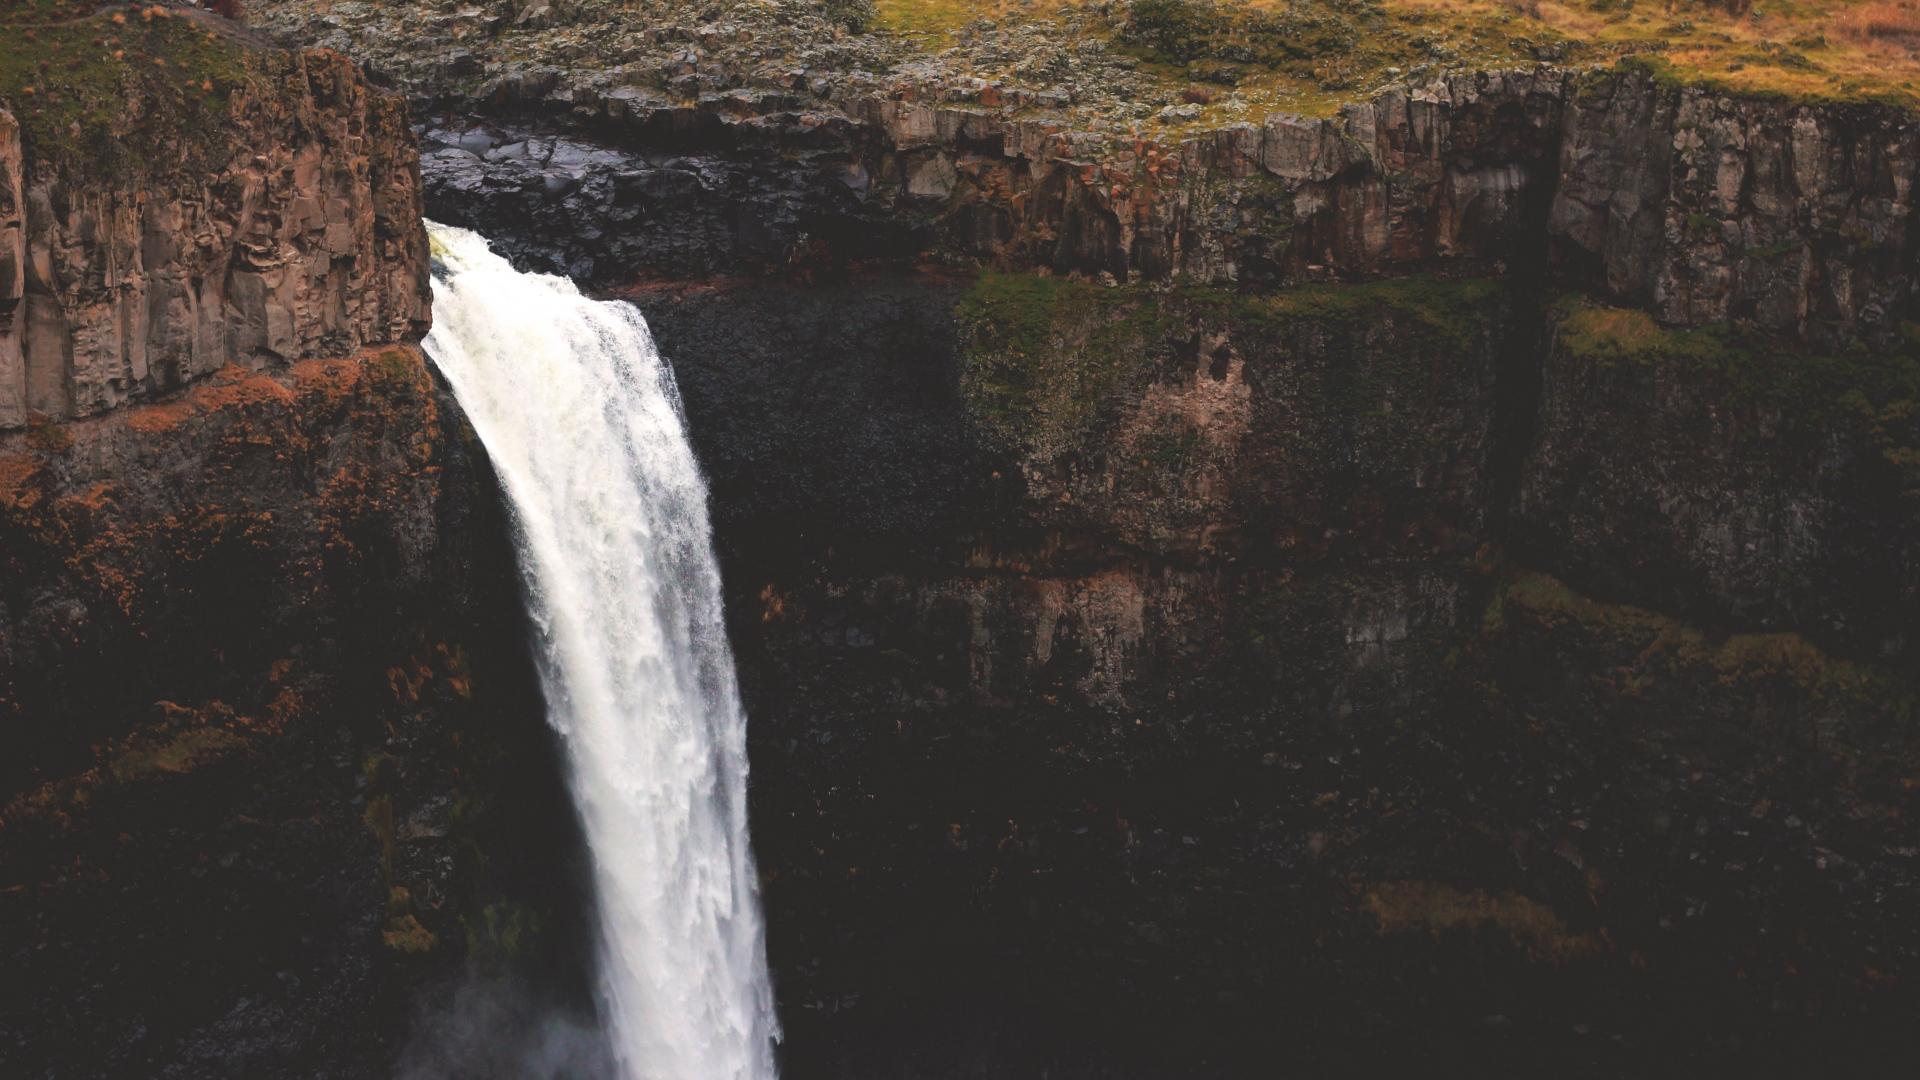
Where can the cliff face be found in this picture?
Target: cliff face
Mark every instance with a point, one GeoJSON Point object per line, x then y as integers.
{"type": "Point", "coordinates": [1155, 680]}
{"type": "Point", "coordinates": [1463, 663]}
{"type": "Point", "coordinates": [274, 779]}
{"type": "Point", "coordinates": [1791, 217]}
{"type": "Point", "coordinates": [297, 237]}
{"type": "Point", "coordinates": [1730, 476]}
{"type": "Point", "coordinates": [275, 763]}
{"type": "Point", "coordinates": [13, 272]}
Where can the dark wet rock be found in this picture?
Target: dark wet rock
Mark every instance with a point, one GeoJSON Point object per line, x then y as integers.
{"type": "Point", "coordinates": [276, 774]}
{"type": "Point", "coordinates": [611, 216]}
{"type": "Point", "coordinates": [1215, 711]}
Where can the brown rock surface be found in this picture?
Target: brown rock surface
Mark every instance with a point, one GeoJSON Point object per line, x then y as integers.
{"type": "Point", "coordinates": [302, 241]}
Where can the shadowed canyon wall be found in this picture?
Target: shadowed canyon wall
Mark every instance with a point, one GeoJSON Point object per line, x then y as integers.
{"type": "Point", "coordinates": [1192, 678]}
{"type": "Point", "coordinates": [1434, 584]}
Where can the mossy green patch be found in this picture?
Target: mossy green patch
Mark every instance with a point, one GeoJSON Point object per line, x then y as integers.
{"type": "Point", "coordinates": [1045, 356]}
{"type": "Point", "coordinates": [1329, 45]}
{"type": "Point", "coordinates": [1874, 392]}
{"type": "Point", "coordinates": [1047, 359]}
{"type": "Point", "coordinates": [1657, 646]}
{"type": "Point", "coordinates": [1455, 309]}
{"type": "Point", "coordinates": [378, 818]}
{"type": "Point", "coordinates": [118, 89]}
{"type": "Point", "coordinates": [503, 932]}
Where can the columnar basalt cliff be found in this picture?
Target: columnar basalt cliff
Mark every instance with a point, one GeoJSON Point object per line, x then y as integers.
{"type": "Point", "coordinates": [13, 272]}
{"type": "Point", "coordinates": [291, 235]}
{"type": "Point", "coordinates": [272, 743]}
{"type": "Point", "coordinates": [1792, 217]}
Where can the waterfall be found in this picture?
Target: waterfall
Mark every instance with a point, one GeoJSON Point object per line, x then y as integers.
{"type": "Point", "coordinates": [581, 419]}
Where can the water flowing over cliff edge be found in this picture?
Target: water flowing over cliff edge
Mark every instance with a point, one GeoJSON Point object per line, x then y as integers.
{"type": "Point", "coordinates": [581, 418]}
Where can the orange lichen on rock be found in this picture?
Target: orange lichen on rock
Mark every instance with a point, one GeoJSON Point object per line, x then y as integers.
{"type": "Point", "coordinates": [234, 385]}
{"type": "Point", "coordinates": [230, 387]}
{"type": "Point", "coordinates": [206, 473]}
{"type": "Point", "coordinates": [331, 379]}
{"type": "Point", "coordinates": [453, 663]}
{"type": "Point", "coordinates": [18, 490]}
{"type": "Point", "coordinates": [98, 496]}
{"type": "Point", "coordinates": [405, 934]}
{"type": "Point", "coordinates": [406, 680]}
{"type": "Point", "coordinates": [160, 417]}
{"type": "Point", "coordinates": [285, 706]}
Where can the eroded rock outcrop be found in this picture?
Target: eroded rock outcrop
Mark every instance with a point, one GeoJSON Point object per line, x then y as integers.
{"type": "Point", "coordinates": [1792, 217]}
{"type": "Point", "coordinates": [297, 238]}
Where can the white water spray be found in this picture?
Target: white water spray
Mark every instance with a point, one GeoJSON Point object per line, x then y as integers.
{"type": "Point", "coordinates": [582, 421]}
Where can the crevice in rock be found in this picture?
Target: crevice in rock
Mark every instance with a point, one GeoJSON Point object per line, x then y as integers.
{"type": "Point", "coordinates": [1524, 346]}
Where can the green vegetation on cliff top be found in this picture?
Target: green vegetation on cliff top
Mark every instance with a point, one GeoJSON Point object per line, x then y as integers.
{"type": "Point", "coordinates": [123, 87]}
{"type": "Point", "coordinates": [1455, 308]}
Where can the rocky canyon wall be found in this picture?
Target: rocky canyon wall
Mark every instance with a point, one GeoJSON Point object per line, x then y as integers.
{"type": "Point", "coordinates": [274, 780]}
{"type": "Point", "coordinates": [291, 234]}
{"type": "Point", "coordinates": [1236, 675]}
{"type": "Point", "coordinates": [1794, 217]}
{"type": "Point", "coordinates": [1431, 583]}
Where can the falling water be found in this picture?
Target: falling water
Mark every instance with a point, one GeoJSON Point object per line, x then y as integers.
{"type": "Point", "coordinates": [582, 421]}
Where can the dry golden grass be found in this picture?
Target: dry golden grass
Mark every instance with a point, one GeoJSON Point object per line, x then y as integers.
{"type": "Point", "coordinates": [1883, 26]}
{"type": "Point", "coordinates": [941, 18]}
{"type": "Point", "coordinates": [1819, 49]}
